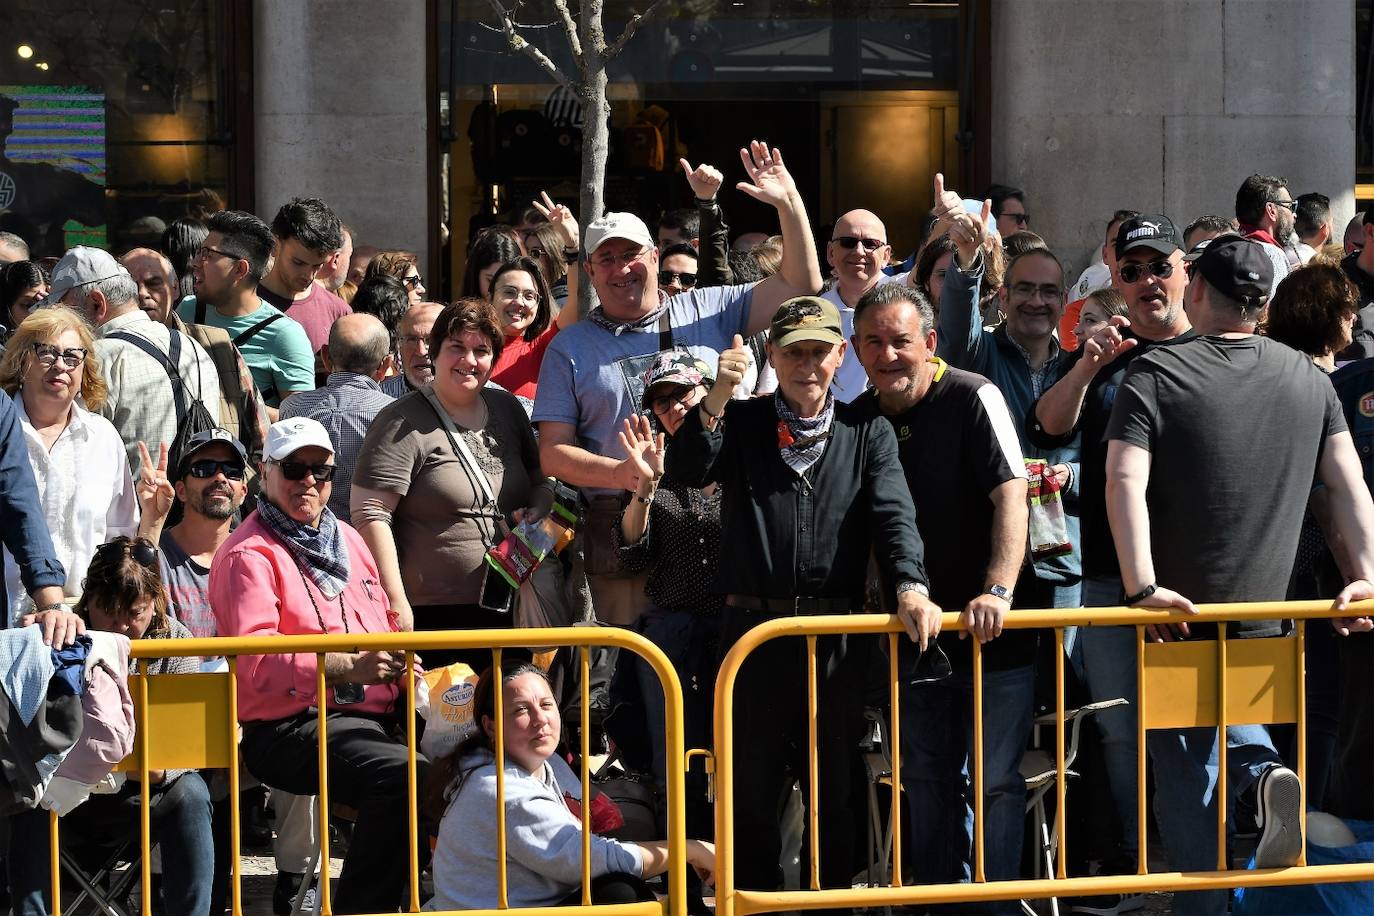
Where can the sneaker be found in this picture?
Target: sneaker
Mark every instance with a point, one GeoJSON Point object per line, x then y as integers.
{"type": "Point", "coordinates": [308, 904]}
{"type": "Point", "coordinates": [284, 893]}
{"type": "Point", "coordinates": [1108, 904]}
{"type": "Point", "coordinates": [1278, 802]}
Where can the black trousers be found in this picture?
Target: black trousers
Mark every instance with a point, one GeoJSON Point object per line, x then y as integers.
{"type": "Point", "coordinates": [614, 888]}
{"type": "Point", "coordinates": [367, 771]}
{"type": "Point", "coordinates": [771, 751]}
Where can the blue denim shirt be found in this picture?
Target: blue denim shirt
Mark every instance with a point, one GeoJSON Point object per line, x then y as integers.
{"type": "Point", "coordinates": [22, 528]}
{"type": "Point", "coordinates": [964, 343]}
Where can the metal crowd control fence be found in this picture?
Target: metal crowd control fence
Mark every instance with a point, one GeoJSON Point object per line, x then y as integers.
{"type": "Point", "coordinates": [1180, 684]}
{"type": "Point", "coordinates": [190, 721]}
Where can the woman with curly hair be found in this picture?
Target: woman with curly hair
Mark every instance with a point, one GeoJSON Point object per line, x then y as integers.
{"type": "Point", "coordinates": [1313, 311]}
{"type": "Point", "coordinates": [404, 266]}
{"type": "Point", "coordinates": [77, 456]}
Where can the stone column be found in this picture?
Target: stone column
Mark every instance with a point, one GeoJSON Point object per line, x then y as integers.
{"type": "Point", "coordinates": [339, 114]}
{"type": "Point", "coordinates": [1166, 106]}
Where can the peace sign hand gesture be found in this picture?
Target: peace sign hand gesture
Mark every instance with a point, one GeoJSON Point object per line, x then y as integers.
{"type": "Point", "coordinates": [771, 182]}
{"type": "Point", "coordinates": [561, 218]}
{"type": "Point", "coordinates": [155, 493]}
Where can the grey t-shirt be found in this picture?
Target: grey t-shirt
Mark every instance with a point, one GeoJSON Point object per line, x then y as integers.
{"type": "Point", "coordinates": [594, 378]}
{"type": "Point", "coordinates": [1235, 428]}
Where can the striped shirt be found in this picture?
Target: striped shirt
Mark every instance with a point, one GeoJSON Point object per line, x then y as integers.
{"type": "Point", "coordinates": [345, 406]}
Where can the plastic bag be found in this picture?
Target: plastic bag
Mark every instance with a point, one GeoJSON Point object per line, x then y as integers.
{"type": "Point", "coordinates": [449, 712]}
{"type": "Point", "coordinates": [1049, 529]}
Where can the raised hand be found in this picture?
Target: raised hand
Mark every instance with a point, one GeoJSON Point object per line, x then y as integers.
{"type": "Point", "coordinates": [643, 448]}
{"type": "Point", "coordinates": [705, 179]}
{"type": "Point", "coordinates": [155, 493]}
{"type": "Point", "coordinates": [1105, 345]}
{"type": "Point", "coordinates": [966, 231]}
{"type": "Point", "coordinates": [769, 180]}
{"type": "Point", "coordinates": [561, 218]}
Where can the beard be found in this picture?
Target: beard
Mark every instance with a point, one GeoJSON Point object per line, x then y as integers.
{"type": "Point", "coordinates": [216, 504]}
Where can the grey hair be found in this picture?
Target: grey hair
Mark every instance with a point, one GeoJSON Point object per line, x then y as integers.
{"type": "Point", "coordinates": [10, 240]}
{"type": "Point", "coordinates": [117, 290]}
{"type": "Point", "coordinates": [891, 294]}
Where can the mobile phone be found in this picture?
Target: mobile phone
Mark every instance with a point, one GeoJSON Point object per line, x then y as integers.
{"type": "Point", "coordinates": [497, 594]}
{"type": "Point", "coordinates": [347, 694]}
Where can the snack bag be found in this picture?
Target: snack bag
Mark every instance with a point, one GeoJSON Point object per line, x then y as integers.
{"type": "Point", "coordinates": [449, 719]}
{"type": "Point", "coordinates": [1049, 529]}
{"type": "Point", "coordinates": [517, 556]}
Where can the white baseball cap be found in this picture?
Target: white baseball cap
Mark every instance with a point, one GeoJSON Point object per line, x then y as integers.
{"type": "Point", "coordinates": [81, 266]}
{"type": "Point", "coordinates": [287, 436]}
{"type": "Point", "coordinates": [617, 226]}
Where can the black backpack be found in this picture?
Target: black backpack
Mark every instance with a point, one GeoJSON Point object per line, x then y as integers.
{"type": "Point", "coordinates": [192, 415]}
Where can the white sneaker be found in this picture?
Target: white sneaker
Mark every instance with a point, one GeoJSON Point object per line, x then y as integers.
{"type": "Point", "coordinates": [1278, 800]}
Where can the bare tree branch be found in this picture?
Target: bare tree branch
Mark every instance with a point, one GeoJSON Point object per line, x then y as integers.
{"type": "Point", "coordinates": [619, 44]}
{"type": "Point", "coordinates": [520, 45]}
{"type": "Point", "coordinates": [569, 26]}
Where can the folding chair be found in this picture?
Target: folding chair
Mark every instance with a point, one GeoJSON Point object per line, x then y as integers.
{"type": "Point", "coordinates": [187, 726]}
{"type": "Point", "coordinates": [1038, 769]}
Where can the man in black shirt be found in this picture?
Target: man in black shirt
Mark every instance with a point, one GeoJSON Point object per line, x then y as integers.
{"type": "Point", "coordinates": [1359, 267]}
{"type": "Point", "coordinates": [1150, 274]}
{"type": "Point", "coordinates": [810, 488]}
{"type": "Point", "coordinates": [962, 458]}
{"type": "Point", "coordinates": [1225, 527]}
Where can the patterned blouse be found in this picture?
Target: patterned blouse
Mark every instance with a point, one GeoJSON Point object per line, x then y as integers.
{"type": "Point", "coordinates": [684, 531]}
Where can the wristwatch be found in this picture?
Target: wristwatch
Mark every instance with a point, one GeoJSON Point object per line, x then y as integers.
{"type": "Point", "coordinates": [999, 591]}
{"type": "Point", "coordinates": [911, 585]}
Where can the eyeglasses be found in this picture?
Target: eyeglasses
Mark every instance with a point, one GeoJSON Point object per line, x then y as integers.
{"type": "Point", "coordinates": [413, 281]}
{"type": "Point", "coordinates": [296, 470]}
{"type": "Point", "coordinates": [681, 278]}
{"type": "Point", "coordinates": [1022, 219]}
{"type": "Point", "coordinates": [662, 405]}
{"type": "Point", "coordinates": [48, 355]}
{"type": "Point", "coordinates": [853, 241]}
{"type": "Point", "coordinates": [209, 468]}
{"type": "Point", "coordinates": [1290, 205]}
{"type": "Point", "coordinates": [623, 259]}
{"type": "Point", "coordinates": [204, 251]}
{"type": "Point", "coordinates": [414, 340]}
{"type": "Point", "coordinates": [515, 292]}
{"type": "Point", "coordinates": [142, 550]}
{"type": "Point", "coordinates": [1133, 273]}
{"type": "Point", "coordinates": [1028, 291]}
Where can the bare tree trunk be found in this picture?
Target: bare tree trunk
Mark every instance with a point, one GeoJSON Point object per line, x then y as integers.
{"type": "Point", "coordinates": [595, 128]}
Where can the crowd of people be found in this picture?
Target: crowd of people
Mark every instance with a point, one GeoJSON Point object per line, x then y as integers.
{"type": "Point", "coordinates": [266, 429]}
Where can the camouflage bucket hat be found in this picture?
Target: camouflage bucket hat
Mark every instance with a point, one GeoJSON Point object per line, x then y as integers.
{"type": "Point", "coordinates": [675, 367]}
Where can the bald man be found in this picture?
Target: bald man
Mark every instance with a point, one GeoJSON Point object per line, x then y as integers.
{"type": "Point", "coordinates": [857, 253]}
{"type": "Point", "coordinates": [12, 248]}
{"type": "Point", "coordinates": [412, 346]}
{"type": "Point", "coordinates": [359, 357]}
{"type": "Point", "coordinates": [157, 281]}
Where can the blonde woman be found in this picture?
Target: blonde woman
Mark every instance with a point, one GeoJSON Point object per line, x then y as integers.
{"type": "Point", "coordinates": [78, 458]}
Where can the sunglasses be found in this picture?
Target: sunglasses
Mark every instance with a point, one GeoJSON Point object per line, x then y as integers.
{"type": "Point", "coordinates": [413, 281]}
{"type": "Point", "coordinates": [296, 470]}
{"type": "Point", "coordinates": [929, 667]}
{"type": "Point", "coordinates": [681, 278]}
{"type": "Point", "coordinates": [664, 403]}
{"type": "Point", "coordinates": [1290, 205]}
{"type": "Point", "coordinates": [1021, 219]}
{"type": "Point", "coordinates": [48, 356]}
{"type": "Point", "coordinates": [141, 549]}
{"type": "Point", "coordinates": [1133, 273]}
{"type": "Point", "coordinates": [853, 241]}
{"type": "Point", "coordinates": [209, 468]}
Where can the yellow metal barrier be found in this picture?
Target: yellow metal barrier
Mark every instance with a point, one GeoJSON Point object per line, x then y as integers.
{"type": "Point", "coordinates": [1205, 683]}
{"type": "Point", "coordinates": [190, 721]}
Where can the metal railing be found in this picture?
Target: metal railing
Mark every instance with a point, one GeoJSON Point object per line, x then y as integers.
{"type": "Point", "coordinates": [1179, 684]}
{"type": "Point", "coordinates": [207, 736]}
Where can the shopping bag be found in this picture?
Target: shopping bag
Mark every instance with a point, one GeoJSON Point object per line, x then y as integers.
{"type": "Point", "coordinates": [1049, 528]}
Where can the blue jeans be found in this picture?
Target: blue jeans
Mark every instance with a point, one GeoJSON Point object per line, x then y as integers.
{"type": "Point", "coordinates": [1185, 761]}
{"type": "Point", "coordinates": [937, 755]}
{"type": "Point", "coordinates": [1106, 656]}
{"type": "Point", "coordinates": [180, 820]}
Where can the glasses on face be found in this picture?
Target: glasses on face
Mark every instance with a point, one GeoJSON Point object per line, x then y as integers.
{"type": "Point", "coordinates": [142, 550]}
{"type": "Point", "coordinates": [204, 251]}
{"type": "Point", "coordinates": [624, 259]}
{"type": "Point", "coordinates": [1027, 291]}
{"type": "Point", "coordinates": [210, 467]}
{"type": "Point", "coordinates": [511, 293]}
{"type": "Point", "coordinates": [684, 279]}
{"type": "Point", "coordinates": [664, 404]}
{"type": "Point", "coordinates": [1021, 219]}
{"type": "Point", "coordinates": [1133, 273]}
{"type": "Point", "coordinates": [414, 281]}
{"type": "Point", "coordinates": [296, 470]}
{"type": "Point", "coordinates": [48, 356]}
{"type": "Point", "coordinates": [1290, 205]}
{"type": "Point", "coordinates": [854, 241]}
{"type": "Point", "coordinates": [414, 340]}
{"type": "Point", "coordinates": [536, 252]}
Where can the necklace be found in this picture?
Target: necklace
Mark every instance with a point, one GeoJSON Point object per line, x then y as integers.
{"type": "Point", "coordinates": [343, 612]}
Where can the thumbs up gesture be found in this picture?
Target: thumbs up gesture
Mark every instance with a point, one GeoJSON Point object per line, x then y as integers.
{"type": "Point", "coordinates": [966, 231]}
{"type": "Point", "coordinates": [734, 363]}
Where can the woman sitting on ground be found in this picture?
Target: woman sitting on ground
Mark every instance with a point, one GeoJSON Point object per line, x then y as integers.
{"type": "Point", "coordinates": [543, 821]}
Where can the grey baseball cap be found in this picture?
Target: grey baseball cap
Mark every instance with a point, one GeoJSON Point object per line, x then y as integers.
{"type": "Point", "coordinates": [81, 266]}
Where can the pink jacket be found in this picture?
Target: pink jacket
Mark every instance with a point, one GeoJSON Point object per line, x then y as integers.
{"type": "Point", "coordinates": [256, 589]}
{"type": "Point", "coordinates": [107, 728]}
